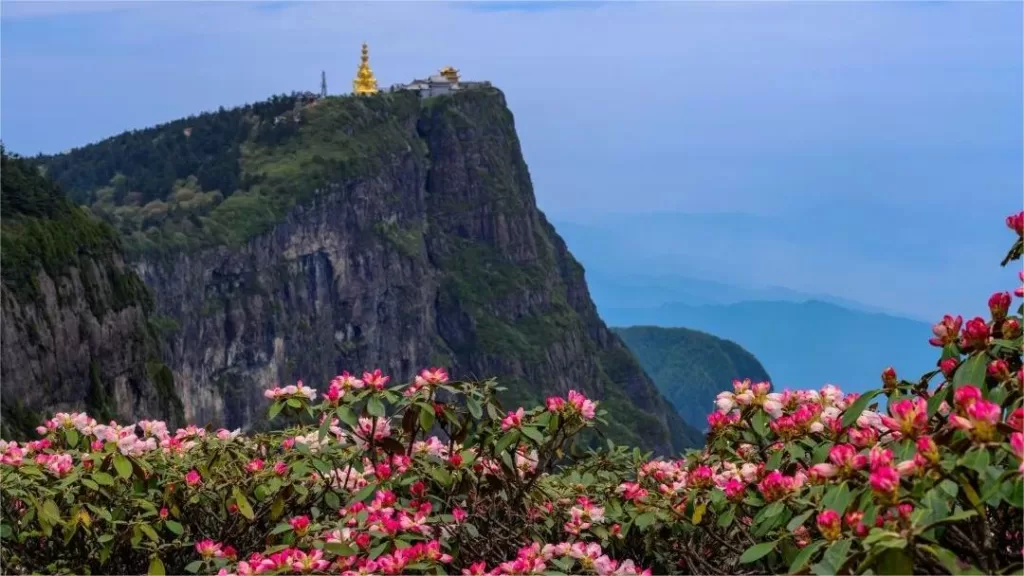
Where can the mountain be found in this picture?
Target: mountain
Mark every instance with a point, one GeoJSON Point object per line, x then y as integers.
{"type": "Point", "coordinates": [76, 321]}
{"type": "Point", "coordinates": [806, 344]}
{"type": "Point", "coordinates": [299, 237]}
{"type": "Point", "coordinates": [666, 265]}
{"type": "Point", "coordinates": [691, 367]}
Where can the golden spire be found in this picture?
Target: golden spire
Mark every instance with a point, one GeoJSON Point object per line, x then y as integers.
{"type": "Point", "coordinates": [364, 82]}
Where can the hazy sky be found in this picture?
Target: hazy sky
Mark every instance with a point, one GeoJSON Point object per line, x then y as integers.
{"type": "Point", "coordinates": [874, 147]}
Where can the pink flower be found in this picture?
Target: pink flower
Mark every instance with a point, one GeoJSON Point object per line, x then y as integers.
{"type": "Point", "coordinates": [1016, 420]}
{"type": "Point", "coordinates": [830, 525]}
{"type": "Point", "coordinates": [981, 420]}
{"type": "Point", "coordinates": [382, 471]}
{"type": "Point", "coordinates": [554, 404]}
{"type": "Point", "coordinates": [998, 305]}
{"type": "Point", "coordinates": [164, 513]}
{"type": "Point", "coordinates": [999, 370]}
{"type": "Point", "coordinates": [475, 569]}
{"type": "Point", "coordinates": [846, 458]}
{"type": "Point", "coordinates": [300, 524]}
{"type": "Point", "coordinates": [735, 490]}
{"type": "Point", "coordinates": [820, 472]}
{"type": "Point", "coordinates": [309, 562]}
{"type": "Point", "coordinates": [885, 481]}
{"type": "Point", "coordinates": [632, 491]}
{"type": "Point", "coordinates": [880, 457]}
{"type": "Point", "coordinates": [775, 486]}
{"type": "Point", "coordinates": [280, 468]}
{"type": "Point", "coordinates": [459, 514]}
{"type": "Point", "coordinates": [965, 396]}
{"type": "Point", "coordinates": [948, 367]}
{"type": "Point", "coordinates": [1017, 444]}
{"type": "Point", "coordinates": [1015, 222]}
{"type": "Point", "coordinates": [586, 408]}
{"type": "Point", "coordinates": [910, 417]}
{"type": "Point", "coordinates": [1019, 291]}
{"type": "Point", "coordinates": [975, 334]}
{"type": "Point", "coordinates": [208, 549]}
{"type": "Point", "coordinates": [513, 420]}
{"type": "Point", "coordinates": [254, 465]}
{"type": "Point", "coordinates": [946, 330]}
{"type": "Point", "coordinates": [853, 521]}
{"type": "Point", "coordinates": [863, 437]}
{"type": "Point", "coordinates": [927, 451]}
{"type": "Point", "coordinates": [376, 379]}
{"type": "Point", "coordinates": [193, 478]}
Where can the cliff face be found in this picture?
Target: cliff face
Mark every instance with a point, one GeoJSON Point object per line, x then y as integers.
{"type": "Point", "coordinates": [412, 239]}
{"type": "Point", "coordinates": [74, 326]}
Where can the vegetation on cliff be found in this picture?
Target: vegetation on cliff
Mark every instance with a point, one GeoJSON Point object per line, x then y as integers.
{"type": "Point", "coordinates": [431, 476]}
{"type": "Point", "coordinates": [44, 235]}
{"type": "Point", "coordinates": [689, 366]}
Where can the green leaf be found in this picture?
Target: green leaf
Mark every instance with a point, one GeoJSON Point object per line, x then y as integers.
{"type": "Point", "coordinates": [474, 408]}
{"type": "Point", "coordinates": [174, 527]}
{"type": "Point", "coordinates": [294, 403]}
{"type": "Point", "coordinates": [148, 531]}
{"type": "Point", "coordinates": [156, 567]}
{"type": "Point", "coordinates": [72, 437]}
{"type": "Point", "coordinates": [799, 520]}
{"type": "Point", "coordinates": [123, 466]}
{"type": "Point", "coordinates": [363, 494]}
{"type": "Point", "coordinates": [244, 508]}
{"type": "Point", "coordinates": [375, 407]}
{"type": "Point", "coordinates": [804, 556]}
{"type": "Point", "coordinates": [89, 484]}
{"type": "Point", "coordinates": [948, 559]}
{"type": "Point", "coordinates": [644, 520]}
{"type": "Point", "coordinates": [345, 414]}
{"type": "Point", "coordinates": [194, 567]}
{"type": "Point", "coordinates": [533, 434]}
{"type": "Point", "coordinates": [837, 554]}
{"type": "Point", "coordinates": [774, 509]}
{"type": "Point", "coordinates": [894, 561]}
{"type": "Point", "coordinates": [854, 410]}
{"type": "Point", "coordinates": [332, 500]}
{"type": "Point", "coordinates": [727, 517]}
{"type": "Point", "coordinates": [937, 399]}
{"type": "Point", "coordinates": [339, 549]}
{"type": "Point", "coordinates": [506, 441]}
{"type": "Point", "coordinates": [759, 422]}
{"type": "Point", "coordinates": [972, 371]}
{"type": "Point", "coordinates": [281, 528]}
{"type": "Point", "coordinates": [50, 512]}
{"type": "Point", "coordinates": [426, 419]}
{"type": "Point", "coordinates": [775, 461]}
{"type": "Point", "coordinates": [442, 476]}
{"type": "Point", "coordinates": [275, 409]}
{"type": "Point", "coordinates": [756, 552]}
{"type": "Point", "coordinates": [955, 517]}
{"type": "Point", "coordinates": [976, 459]}
{"type": "Point", "coordinates": [325, 427]}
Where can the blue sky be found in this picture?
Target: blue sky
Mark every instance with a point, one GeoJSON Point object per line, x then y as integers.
{"type": "Point", "coordinates": [871, 150]}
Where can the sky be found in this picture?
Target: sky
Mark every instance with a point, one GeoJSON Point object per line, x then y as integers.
{"type": "Point", "coordinates": [866, 150]}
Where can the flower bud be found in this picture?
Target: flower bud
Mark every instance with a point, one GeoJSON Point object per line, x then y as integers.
{"type": "Point", "coordinates": [829, 525]}
{"type": "Point", "coordinates": [889, 380]}
{"type": "Point", "coordinates": [998, 305]}
{"type": "Point", "coordinates": [948, 367]}
{"type": "Point", "coordinates": [999, 370]}
{"type": "Point", "coordinates": [1015, 222]}
{"type": "Point", "coordinates": [1011, 328]}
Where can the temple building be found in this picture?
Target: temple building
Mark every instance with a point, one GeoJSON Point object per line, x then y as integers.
{"type": "Point", "coordinates": [365, 82]}
{"type": "Point", "coordinates": [445, 81]}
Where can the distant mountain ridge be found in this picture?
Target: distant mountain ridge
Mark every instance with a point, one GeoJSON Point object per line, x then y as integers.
{"type": "Point", "coordinates": [691, 367]}
{"type": "Point", "coordinates": [805, 344]}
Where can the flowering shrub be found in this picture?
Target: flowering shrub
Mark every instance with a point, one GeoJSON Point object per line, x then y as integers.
{"type": "Point", "coordinates": [434, 476]}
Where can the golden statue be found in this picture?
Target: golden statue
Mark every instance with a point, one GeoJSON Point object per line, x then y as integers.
{"type": "Point", "coordinates": [451, 74]}
{"type": "Point", "coordinates": [365, 82]}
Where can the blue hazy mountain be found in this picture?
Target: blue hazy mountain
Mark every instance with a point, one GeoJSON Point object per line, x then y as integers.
{"type": "Point", "coordinates": [802, 344]}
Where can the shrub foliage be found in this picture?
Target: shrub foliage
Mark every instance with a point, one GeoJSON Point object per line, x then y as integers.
{"type": "Point", "coordinates": [434, 476]}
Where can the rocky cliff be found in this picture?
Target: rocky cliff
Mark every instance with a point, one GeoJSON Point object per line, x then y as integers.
{"type": "Point", "coordinates": [387, 232]}
{"type": "Point", "coordinates": [75, 327]}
